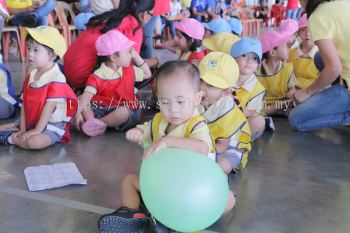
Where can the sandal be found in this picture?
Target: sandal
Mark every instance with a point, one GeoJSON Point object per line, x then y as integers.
{"type": "Point", "coordinates": [94, 127]}
{"type": "Point", "coordinates": [124, 220]}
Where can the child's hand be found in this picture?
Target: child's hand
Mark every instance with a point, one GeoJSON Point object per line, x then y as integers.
{"type": "Point", "coordinates": [135, 135]}
{"type": "Point", "coordinates": [134, 54]}
{"type": "Point", "coordinates": [28, 134]}
{"type": "Point", "coordinates": [155, 147]}
{"type": "Point", "coordinates": [78, 120]}
{"type": "Point", "coordinates": [290, 94]}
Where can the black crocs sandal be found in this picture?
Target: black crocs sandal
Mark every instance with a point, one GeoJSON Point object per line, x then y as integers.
{"type": "Point", "coordinates": [160, 228]}
{"type": "Point", "coordinates": [124, 220]}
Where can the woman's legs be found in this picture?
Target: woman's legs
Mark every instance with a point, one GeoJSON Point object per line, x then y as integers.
{"type": "Point", "coordinates": [148, 30]}
{"type": "Point", "coordinates": [330, 107]}
{"type": "Point", "coordinates": [130, 192]}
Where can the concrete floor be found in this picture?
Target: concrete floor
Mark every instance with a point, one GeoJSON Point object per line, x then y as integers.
{"type": "Point", "coordinates": [293, 183]}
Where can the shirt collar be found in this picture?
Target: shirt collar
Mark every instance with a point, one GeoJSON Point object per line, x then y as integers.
{"type": "Point", "coordinates": [45, 78]}
{"type": "Point", "coordinates": [249, 84]}
{"type": "Point", "coordinates": [105, 72]}
{"type": "Point", "coordinates": [266, 68]}
{"type": "Point", "coordinates": [310, 54]}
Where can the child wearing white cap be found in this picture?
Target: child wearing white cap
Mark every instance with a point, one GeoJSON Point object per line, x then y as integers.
{"type": "Point", "coordinates": [109, 97]}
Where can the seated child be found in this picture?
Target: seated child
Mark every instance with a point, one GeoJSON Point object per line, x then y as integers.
{"type": "Point", "coordinates": [236, 26]}
{"type": "Point", "coordinates": [275, 74]}
{"type": "Point", "coordinates": [178, 125]}
{"type": "Point", "coordinates": [47, 99]}
{"type": "Point", "coordinates": [248, 54]}
{"type": "Point", "coordinates": [216, 26]}
{"type": "Point", "coordinates": [290, 28]}
{"type": "Point", "coordinates": [8, 99]}
{"type": "Point", "coordinates": [188, 42]}
{"type": "Point", "coordinates": [109, 97]}
{"type": "Point", "coordinates": [302, 57]}
{"type": "Point", "coordinates": [221, 42]}
{"type": "Point", "coordinates": [227, 123]}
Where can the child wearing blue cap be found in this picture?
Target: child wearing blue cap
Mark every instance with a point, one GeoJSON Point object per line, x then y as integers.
{"type": "Point", "coordinates": [216, 26]}
{"type": "Point", "coordinates": [248, 53]}
{"type": "Point", "coordinates": [236, 26]}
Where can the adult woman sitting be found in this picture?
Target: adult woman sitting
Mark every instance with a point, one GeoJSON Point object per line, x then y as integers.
{"type": "Point", "coordinates": [323, 106]}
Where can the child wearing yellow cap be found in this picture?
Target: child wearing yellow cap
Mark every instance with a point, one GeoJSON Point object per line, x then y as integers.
{"type": "Point", "coordinates": [188, 41]}
{"type": "Point", "coordinates": [275, 74]}
{"type": "Point", "coordinates": [227, 123]}
{"type": "Point", "coordinates": [302, 57]}
{"type": "Point", "coordinates": [178, 125]}
{"type": "Point", "coordinates": [221, 42]}
{"type": "Point", "coordinates": [47, 105]}
{"type": "Point", "coordinates": [248, 53]}
{"type": "Point", "coordinates": [109, 98]}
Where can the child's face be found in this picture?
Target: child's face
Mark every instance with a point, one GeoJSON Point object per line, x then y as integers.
{"type": "Point", "coordinates": [305, 35]}
{"type": "Point", "coordinates": [38, 55]}
{"type": "Point", "coordinates": [181, 41]}
{"type": "Point", "coordinates": [211, 94]}
{"type": "Point", "coordinates": [248, 63]}
{"type": "Point", "coordinates": [123, 58]}
{"type": "Point", "coordinates": [282, 52]}
{"type": "Point", "coordinates": [177, 98]}
{"type": "Point", "coordinates": [208, 34]}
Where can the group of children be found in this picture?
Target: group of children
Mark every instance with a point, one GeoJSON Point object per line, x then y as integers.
{"type": "Point", "coordinates": [214, 101]}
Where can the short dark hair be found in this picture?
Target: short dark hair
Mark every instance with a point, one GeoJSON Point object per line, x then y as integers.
{"type": "Point", "coordinates": [195, 44]}
{"type": "Point", "coordinates": [187, 68]}
{"type": "Point", "coordinates": [312, 5]}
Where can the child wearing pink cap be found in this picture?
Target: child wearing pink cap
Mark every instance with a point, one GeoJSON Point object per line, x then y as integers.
{"type": "Point", "coordinates": [290, 27]}
{"type": "Point", "coordinates": [275, 74]}
{"type": "Point", "coordinates": [109, 98]}
{"type": "Point", "coordinates": [303, 57]}
{"type": "Point", "coordinates": [188, 41]}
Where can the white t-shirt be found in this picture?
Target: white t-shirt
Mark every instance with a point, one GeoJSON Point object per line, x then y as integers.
{"type": "Point", "coordinates": [175, 8]}
{"type": "Point", "coordinates": [101, 6]}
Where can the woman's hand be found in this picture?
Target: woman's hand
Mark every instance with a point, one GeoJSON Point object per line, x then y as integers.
{"type": "Point", "coordinates": [301, 95]}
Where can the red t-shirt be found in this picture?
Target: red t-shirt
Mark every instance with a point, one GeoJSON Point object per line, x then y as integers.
{"type": "Point", "coordinates": [292, 4]}
{"type": "Point", "coordinates": [80, 58]}
{"type": "Point", "coordinates": [161, 7]}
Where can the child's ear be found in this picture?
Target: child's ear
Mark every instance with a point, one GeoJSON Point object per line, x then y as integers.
{"type": "Point", "coordinates": [198, 98]}
{"type": "Point", "coordinates": [273, 53]}
{"type": "Point", "coordinates": [53, 56]}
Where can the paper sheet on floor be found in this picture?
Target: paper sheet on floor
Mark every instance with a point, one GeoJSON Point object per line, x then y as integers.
{"type": "Point", "coordinates": [53, 176]}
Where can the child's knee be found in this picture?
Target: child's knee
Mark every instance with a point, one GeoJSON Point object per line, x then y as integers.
{"type": "Point", "coordinates": [231, 201]}
{"type": "Point", "coordinates": [225, 165]}
{"type": "Point", "coordinates": [131, 180]}
{"type": "Point", "coordinates": [37, 142]}
{"type": "Point", "coordinates": [257, 125]}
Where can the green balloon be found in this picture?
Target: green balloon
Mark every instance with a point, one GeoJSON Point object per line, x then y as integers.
{"type": "Point", "coordinates": [184, 190]}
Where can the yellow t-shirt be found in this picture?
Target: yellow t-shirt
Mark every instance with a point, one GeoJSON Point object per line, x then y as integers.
{"type": "Point", "coordinates": [329, 21]}
{"type": "Point", "coordinates": [106, 73]}
{"type": "Point", "coordinates": [52, 75]}
{"type": "Point", "coordinates": [200, 131]}
{"type": "Point", "coordinates": [18, 4]}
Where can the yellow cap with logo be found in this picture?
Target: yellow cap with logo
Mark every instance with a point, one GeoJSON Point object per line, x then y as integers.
{"type": "Point", "coordinates": [219, 69]}
{"type": "Point", "coordinates": [50, 37]}
{"type": "Point", "coordinates": [221, 42]}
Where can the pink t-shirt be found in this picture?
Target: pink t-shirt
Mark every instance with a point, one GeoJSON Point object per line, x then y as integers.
{"type": "Point", "coordinates": [161, 7]}
{"type": "Point", "coordinates": [80, 58]}
{"type": "Point", "coordinates": [292, 4]}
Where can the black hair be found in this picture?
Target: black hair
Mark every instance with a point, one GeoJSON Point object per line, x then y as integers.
{"type": "Point", "coordinates": [30, 39]}
{"type": "Point", "coordinates": [195, 44]}
{"type": "Point", "coordinates": [102, 59]}
{"type": "Point", "coordinates": [312, 5]}
{"type": "Point", "coordinates": [187, 68]}
{"type": "Point", "coordinates": [277, 2]}
{"type": "Point", "coordinates": [113, 18]}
